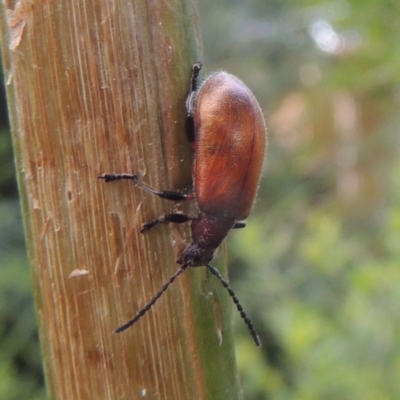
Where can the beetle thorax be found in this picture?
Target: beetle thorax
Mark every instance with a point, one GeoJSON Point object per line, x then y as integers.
{"type": "Point", "coordinates": [207, 234]}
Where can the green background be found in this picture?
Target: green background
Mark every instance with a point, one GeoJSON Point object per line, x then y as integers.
{"type": "Point", "coordinates": [318, 265]}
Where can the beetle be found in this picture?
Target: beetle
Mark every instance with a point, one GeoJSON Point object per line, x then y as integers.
{"type": "Point", "coordinates": [226, 128]}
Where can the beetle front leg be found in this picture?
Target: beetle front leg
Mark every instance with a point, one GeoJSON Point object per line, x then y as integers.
{"type": "Point", "coordinates": [166, 219]}
{"type": "Point", "coordinates": [164, 194]}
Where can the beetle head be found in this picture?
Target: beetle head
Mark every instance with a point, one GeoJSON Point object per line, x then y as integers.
{"type": "Point", "coordinates": [196, 256]}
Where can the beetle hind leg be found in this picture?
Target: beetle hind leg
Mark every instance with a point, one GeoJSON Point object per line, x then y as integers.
{"type": "Point", "coordinates": [195, 74]}
{"type": "Point", "coordinates": [166, 219]}
{"type": "Point", "coordinates": [190, 102]}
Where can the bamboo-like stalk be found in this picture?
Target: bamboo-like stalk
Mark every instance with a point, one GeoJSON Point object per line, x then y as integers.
{"type": "Point", "coordinates": [99, 86]}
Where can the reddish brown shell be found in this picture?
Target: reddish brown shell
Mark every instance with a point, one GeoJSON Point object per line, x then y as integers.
{"type": "Point", "coordinates": [230, 141]}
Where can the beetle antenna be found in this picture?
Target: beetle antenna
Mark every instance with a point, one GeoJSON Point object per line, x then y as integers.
{"type": "Point", "coordinates": [242, 313]}
{"type": "Point", "coordinates": [152, 301]}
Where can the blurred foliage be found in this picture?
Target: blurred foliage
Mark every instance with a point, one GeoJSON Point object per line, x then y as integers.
{"type": "Point", "coordinates": [21, 374]}
{"type": "Point", "coordinates": [318, 265]}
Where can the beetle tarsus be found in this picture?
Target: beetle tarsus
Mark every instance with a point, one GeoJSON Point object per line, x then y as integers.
{"type": "Point", "coordinates": [195, 74]}
{"type": "Point", "coordinates": [117, 177]}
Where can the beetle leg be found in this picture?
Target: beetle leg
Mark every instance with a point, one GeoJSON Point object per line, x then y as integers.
{"type": "Point", "coordinates": [190, 102]}
{"type": "Point", "coordinates": [239, 224]}
{"type": "Point", "coordinates": [117, 177]}
{"type": "Point", "coordinates": [166, 219]}
{"type": "Point", "coordinates": [164, 194]}
{"type": "Point", "coordinates": [189, 129]}
{"type": "Point", "coordinates": [195, 74]}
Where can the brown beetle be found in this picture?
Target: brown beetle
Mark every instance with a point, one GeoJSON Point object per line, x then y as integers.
{"type": "Point", "coordinates": [226, 127]}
